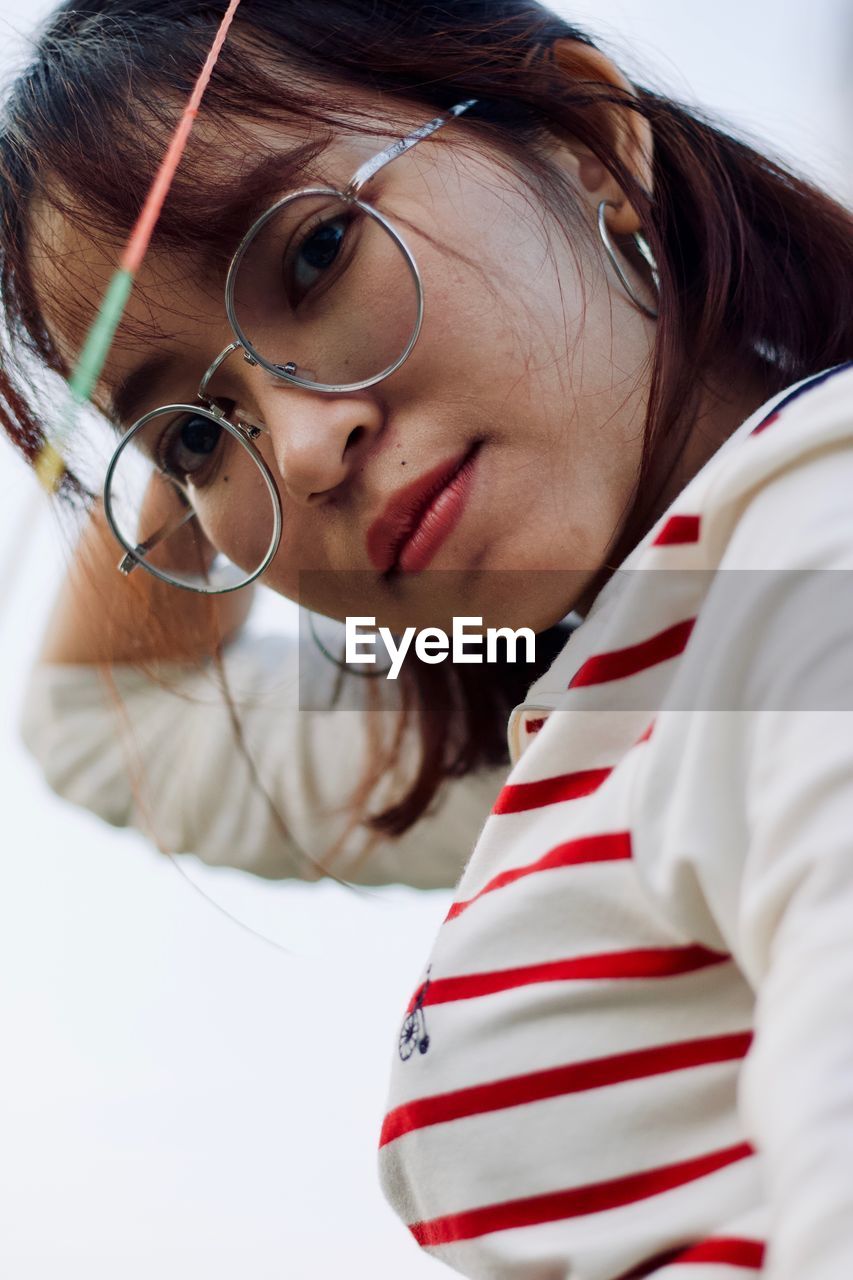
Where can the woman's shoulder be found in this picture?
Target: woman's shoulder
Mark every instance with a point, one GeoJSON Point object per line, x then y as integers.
{"type": "Point", "coordinates": [786, 468]}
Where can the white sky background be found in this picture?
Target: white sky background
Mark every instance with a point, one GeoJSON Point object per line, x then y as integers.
{"type": "Point", "coordinates": [176, 1098]}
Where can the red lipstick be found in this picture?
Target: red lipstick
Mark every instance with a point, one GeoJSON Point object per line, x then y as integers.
{"type": "Point", "coordinates": [418, 518]}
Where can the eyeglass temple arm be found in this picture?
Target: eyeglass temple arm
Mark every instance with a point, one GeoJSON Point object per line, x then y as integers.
{"type": "Point", "coordinates": [129, 562]}
{"type": "Point", "coordinates": [371, 167]}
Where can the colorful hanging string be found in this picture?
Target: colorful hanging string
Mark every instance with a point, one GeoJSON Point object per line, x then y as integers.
{"type": "Point", "coordinates": [50, 465]}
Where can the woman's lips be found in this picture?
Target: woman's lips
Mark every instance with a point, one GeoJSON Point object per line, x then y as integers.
{"type": "Point", "coordinates": [419, 517]}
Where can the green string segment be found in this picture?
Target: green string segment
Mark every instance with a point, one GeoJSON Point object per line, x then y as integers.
{"type": "Point", "coordinates": [50, 466]}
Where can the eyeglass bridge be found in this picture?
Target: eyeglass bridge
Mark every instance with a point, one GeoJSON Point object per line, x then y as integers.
{"type": "Point", "coordinates": [249, 430]}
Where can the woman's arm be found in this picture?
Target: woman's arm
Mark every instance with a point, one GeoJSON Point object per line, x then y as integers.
{"type": "Point", "coordinates": [159, 752]}
{"type": "Point", "coordinates": [757, 840]}
{"type": "Point", "coordinates": [102, 616]}
{"type": "Point", "coordinates": [795, 926]}
{"type": "Point", "coordinates": [157, 749]}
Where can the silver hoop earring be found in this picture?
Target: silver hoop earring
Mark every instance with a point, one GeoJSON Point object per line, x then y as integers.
{"type": "Point", "coordinates": [643, 246]}
{"type": "Point", "coordinates": [341, 665]}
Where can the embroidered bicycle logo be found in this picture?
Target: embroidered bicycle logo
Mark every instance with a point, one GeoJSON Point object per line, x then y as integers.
{"type": "Point", "coordinates": [413, 1033]}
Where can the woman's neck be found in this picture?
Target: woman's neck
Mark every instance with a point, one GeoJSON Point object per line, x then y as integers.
{"type": "Point", "coordinates": [723, 406]}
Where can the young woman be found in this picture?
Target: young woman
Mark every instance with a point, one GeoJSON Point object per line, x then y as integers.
{"type": "Point", "coordinates": [611, 346]}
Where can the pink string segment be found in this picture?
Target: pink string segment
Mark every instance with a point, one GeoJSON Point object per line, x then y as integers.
{"type": "Point", "coordinates": [50, 464]}
{"type": "Point", "coordinates": [140, 237]}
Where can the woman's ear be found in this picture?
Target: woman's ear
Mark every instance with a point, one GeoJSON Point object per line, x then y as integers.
{"type": "Point", "coordinates": [630, 132]}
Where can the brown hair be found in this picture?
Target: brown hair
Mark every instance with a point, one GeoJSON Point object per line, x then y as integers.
{"type": "Point", "coordinates": [756, 263]}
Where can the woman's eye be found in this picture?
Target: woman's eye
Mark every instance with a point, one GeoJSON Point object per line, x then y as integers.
{"type": "Point", "coordinates": [315, 254]}
{"type": "Point", "coordinates": [189, 446]}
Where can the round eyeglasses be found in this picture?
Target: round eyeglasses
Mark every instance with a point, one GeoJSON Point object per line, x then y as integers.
{"type": "Point", "coordinates": [322, 293]}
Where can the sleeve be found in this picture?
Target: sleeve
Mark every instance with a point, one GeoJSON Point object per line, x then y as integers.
{"type": "Point", "coordinates": [158, 751]}
{"type": "Point", "coordinates": [794, 928]}
{"type": "Point", "coordinates": [768, 774]}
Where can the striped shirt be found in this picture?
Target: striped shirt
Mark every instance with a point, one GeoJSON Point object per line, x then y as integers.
{"type": "Point", "coordinates": [624, 1056]}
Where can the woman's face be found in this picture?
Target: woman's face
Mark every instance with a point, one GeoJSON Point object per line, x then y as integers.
{"type": "Point", "coordinates": [510, 436]}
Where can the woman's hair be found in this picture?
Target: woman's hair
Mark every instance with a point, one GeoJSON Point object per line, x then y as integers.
{"type": "Point", "coordinates": [755, 263]}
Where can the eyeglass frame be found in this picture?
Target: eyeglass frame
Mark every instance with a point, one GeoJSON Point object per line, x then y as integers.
{"type": "Point", "coordinates": [244, 433]}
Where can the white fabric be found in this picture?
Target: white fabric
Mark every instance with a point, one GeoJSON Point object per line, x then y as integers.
{"type": "Point", "coordinates": [614, 1059]}
{"type": "Point", "coordinates": [164, 758]}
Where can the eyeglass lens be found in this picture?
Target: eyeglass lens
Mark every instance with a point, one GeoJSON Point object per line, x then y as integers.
{"type": "Point", "coordinates": [324, 291]}
{"type": "Point", "coordinates": [189, 498]}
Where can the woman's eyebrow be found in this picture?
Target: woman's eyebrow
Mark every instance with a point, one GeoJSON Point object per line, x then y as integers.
{"type": "Point", "coordinates": [137, 386]}
{"type": "Point", "coordinates": [242, 200]}
{"type": "Point", "coordinates": [238, 205]}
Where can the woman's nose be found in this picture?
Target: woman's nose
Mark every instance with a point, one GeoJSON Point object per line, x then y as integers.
{"type": "Point", "coordinates": [317, 439]}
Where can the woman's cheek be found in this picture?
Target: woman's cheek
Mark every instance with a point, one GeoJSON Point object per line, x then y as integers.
{"type": "Point", "coordinates": [239, 517]}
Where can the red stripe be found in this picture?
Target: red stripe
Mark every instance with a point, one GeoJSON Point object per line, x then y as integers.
{"type": "Point", "coordinates": [727, 1249]}
{"type": "Point", "coordinates": [768, 422]}
{"type": "Point", "coordinates": [619, 663]}
{"type": "Point", "coordinates": [645, 962]}
{"type": "Point", "coordinates": [678, 529]}
{"type": "Point", "coordinates": [611, 847]}
{"type": "Point", "coordinates": [646, 734]}
{"type": "Point", "coordinates": [574, 1077]}
{"type": "Point", "coordinates": [732, 1251]}
{"type": "Point", "coordinates": [533, 726]}
{"type": "Point", "coordinates": [518, 797]}
{"type": "Point", "coordinates": [595, 1197]}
